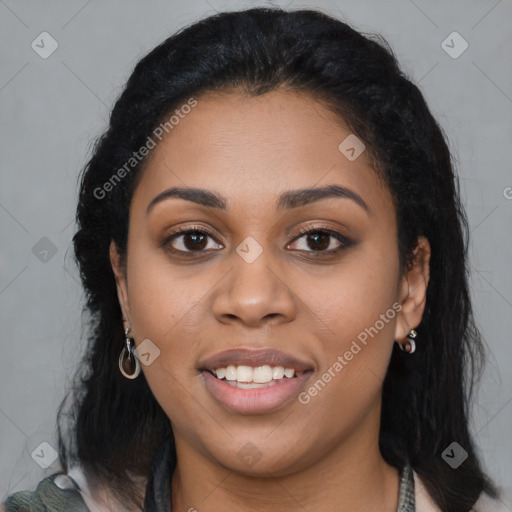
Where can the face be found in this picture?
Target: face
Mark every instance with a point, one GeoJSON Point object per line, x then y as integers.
{"type": "Point", "coordinates": [244, 274]}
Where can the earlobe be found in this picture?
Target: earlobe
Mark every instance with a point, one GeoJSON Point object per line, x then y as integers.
{"type": "Point", "coordinates": [120, 277]}
{"type": "Point", "coordinates": [413, 290]}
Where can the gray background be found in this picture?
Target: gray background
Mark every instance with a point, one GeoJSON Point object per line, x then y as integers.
{"type": "Point", "coordinates": [51, 109]}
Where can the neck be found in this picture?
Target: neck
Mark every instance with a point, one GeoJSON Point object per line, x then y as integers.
{"type": "Point", "coordinates": [349, 476]}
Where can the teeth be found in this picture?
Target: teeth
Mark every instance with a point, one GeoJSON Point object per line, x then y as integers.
{"type": "Point", "coordinates": [257, 375]}
{"type": "Point", "coordinates": [288, 372]}
{"type": "Point", "coordinates": [278, 372]}
{"type": "Point", "coordinates": [262, 374]}
{"type": "Point", "coordinates": [249, 385]}
{"type": "Point", "coordinates": [221, 373]}
{"type": "Point", "coordinates": [230, 373]}
{"type": "Point", "coordinates": [244, 374]}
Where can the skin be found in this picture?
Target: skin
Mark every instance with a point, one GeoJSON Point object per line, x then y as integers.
{"type": "Point", "coordinates": [322, 456]}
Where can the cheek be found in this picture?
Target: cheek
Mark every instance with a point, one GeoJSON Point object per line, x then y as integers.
{"type": "Point", "coordinates": [353, 295]}
{"type": "Point", "coordinates": [358, 308]}
{"type": "Point", "coordinates": [163, 296]}
{"type": "Point", "coordinates": [167, 307]}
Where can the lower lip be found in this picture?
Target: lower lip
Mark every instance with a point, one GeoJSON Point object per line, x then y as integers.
{"type": "Point", "coordinates": [257, 400]}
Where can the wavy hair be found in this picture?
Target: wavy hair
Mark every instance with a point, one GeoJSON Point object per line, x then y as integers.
{"type": "Point", "coordinates": [115, 425]}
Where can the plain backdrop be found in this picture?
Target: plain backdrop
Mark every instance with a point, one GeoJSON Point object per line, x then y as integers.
{"type": "Point", "coordinates": [52, 109]}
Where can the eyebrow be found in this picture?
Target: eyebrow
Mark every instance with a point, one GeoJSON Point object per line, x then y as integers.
{"type": "Point", "coordinates": [286, 201]}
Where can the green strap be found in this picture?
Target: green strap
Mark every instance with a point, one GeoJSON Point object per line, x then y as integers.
{"type": "Point", "coordinates": [47, 497]}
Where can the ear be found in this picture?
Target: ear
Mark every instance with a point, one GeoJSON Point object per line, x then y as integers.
{"type": "Point", "coordinates": [413, 290]}
{"type": "Point", "coordinates": [121, 283]}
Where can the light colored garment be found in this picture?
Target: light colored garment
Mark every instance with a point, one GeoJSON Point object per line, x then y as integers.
{"type": "Point", "coordinates": [97, 503]}
{"type": "Point", "coordinates": [424, 502]}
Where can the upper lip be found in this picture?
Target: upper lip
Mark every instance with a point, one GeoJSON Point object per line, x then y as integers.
{"type": "Point", "coordinates": [253, 357]}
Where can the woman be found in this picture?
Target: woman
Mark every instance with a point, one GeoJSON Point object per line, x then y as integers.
{"type": "Point", "coordinates": [273, 249]}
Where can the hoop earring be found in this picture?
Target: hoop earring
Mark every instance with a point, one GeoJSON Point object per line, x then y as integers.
{"type": "Point", "coordinates": [127, 353]}
{"type": "Point", "coordinates": [410, 345]}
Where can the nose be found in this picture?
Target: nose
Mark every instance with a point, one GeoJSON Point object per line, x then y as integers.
{"type": "Point", "coordinates": [255, 293]}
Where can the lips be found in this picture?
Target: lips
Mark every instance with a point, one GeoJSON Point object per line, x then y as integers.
{"type": "Point", "coordinates": [254, 357]}
{"type": "Point", "coordinates": [254, 401]}
{"type": "Point", "coordinates": [250, 398]}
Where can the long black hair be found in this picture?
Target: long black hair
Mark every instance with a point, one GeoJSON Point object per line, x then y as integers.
{"type": "Point", "coordinates": [115, 425]}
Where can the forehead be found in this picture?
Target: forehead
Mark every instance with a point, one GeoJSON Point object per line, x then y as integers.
{"type": "Point", "coordinates": [251, 148]}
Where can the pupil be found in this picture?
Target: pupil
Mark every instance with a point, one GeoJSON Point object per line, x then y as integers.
{"type": "Point", "coordinates": [197, 238]}
{"type": "Point", "coordinates": [316, 237]}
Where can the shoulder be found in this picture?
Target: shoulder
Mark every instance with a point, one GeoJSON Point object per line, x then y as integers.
{"type": "Point", "coordinates": [488, 504]}
{"type": "Point", "coordinates": [55, 493]}
{"type": "Point", "coordinates": [424, 502]}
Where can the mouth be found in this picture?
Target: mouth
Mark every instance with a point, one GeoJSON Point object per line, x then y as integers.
{"type": "Point", "coordinates": [248, 377]}
{"type": "Point", "coordinates": [254, 381]}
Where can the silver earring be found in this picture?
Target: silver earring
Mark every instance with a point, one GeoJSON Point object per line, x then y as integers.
{"type": "Point", "coordinates": [410, 345]}
{"type": "Point", "coordinates": [127, 354]}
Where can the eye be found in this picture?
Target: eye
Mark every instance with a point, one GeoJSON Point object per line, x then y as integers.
{"type": "Point", "coordinates": [193, 241]}
{"type": "Point", "coordinates": [321, 239]}
{"type": "Point", "coordinates": [189, 239]}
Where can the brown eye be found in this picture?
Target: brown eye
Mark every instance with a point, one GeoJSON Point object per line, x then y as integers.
{"type": "Point", "coordinates": [189, 240]}
{"type": "Point", "coordinates": [195, 241]}
{"type": "Point", "coordinates": [321, 240]}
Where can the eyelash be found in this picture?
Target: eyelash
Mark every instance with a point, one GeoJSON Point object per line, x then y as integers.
{"type": "Point", "coordinates": [345, 242]}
